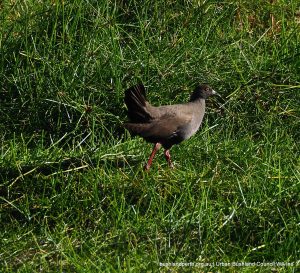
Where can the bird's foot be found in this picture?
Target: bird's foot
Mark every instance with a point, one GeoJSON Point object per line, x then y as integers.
{"type": "Point", "coordinates": [147, 167]}
{"type": "Point", "coordinates": [168, 158]}
{"type": "Point", "coordinates": [171, 165]}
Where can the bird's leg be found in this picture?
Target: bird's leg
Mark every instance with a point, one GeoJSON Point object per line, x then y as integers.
{"type": "Point", "coordinates": [168, 158]}
{"type": "Point", "coordinates": [155, 149]}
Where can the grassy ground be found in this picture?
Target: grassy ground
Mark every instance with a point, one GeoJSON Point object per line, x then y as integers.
{"type": "Point", "coordinates": [73, 196]}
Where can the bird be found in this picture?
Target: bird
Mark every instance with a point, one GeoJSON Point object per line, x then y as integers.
{"type": "Point", "coordinates": [165, 125]}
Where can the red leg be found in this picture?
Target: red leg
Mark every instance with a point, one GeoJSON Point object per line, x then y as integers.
{"type": "Point", "coordinates": [168, 158]}
{"type": "Point", "coordinates": [155, 149]}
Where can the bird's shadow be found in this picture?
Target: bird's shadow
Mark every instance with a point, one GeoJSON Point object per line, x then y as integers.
{"type": "Point", "coordinates": [11, 174]}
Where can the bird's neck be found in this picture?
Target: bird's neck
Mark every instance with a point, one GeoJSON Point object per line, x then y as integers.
{"type": "Point", "coordinates": [198, 101]}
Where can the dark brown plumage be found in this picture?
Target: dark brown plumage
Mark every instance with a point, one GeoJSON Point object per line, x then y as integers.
{"type": "Point", "coordinates": [168, 124]}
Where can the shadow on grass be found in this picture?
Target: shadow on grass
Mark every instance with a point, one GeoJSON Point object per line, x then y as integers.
{"type": "Point", "coordinates": [13, 174]}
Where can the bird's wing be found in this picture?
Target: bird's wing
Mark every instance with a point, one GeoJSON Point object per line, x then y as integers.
{"type": "Point", "coordinates": [167, 127]}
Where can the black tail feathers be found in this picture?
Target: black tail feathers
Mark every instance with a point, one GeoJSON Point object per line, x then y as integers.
{"type": "Point", "coordinates": [135, 100]}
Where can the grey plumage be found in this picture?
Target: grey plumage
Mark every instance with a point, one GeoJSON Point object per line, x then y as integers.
{"type": "Point", "coordinates": [168, 124]}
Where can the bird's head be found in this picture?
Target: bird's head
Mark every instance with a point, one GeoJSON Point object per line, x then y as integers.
{"type": "Point", "coordinates": [202, 91]}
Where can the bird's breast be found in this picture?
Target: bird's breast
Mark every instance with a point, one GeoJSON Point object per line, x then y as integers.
{"type": "Point", "coordinates": [192, 127]}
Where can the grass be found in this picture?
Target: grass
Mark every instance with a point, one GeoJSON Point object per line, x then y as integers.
{"type": "Point", "coordinates": [73, 196]}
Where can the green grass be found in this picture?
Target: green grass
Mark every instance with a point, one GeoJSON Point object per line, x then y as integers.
{"type": "Point", "coordinates": [73, 196]}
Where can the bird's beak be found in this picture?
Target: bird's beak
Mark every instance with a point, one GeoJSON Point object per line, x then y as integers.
{"type": "Point", "coordinates": [215, 93]}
